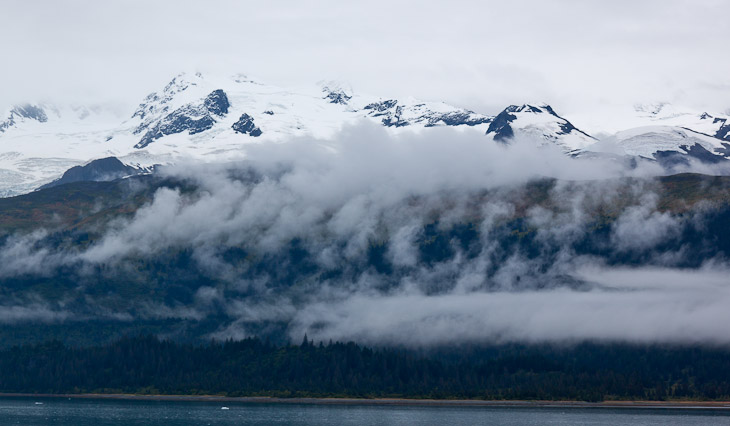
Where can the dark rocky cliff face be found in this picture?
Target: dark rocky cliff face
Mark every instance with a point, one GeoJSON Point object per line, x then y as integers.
{"type": "Point", "coordinates": [246, 126]}
{"type": "Point", "coordinates": [500, 126]}
{"type": "Point", "coordinates": [217, 103]}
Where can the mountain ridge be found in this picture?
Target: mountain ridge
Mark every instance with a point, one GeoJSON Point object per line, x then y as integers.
{"type": "Point", "coordinates": [213, 118]}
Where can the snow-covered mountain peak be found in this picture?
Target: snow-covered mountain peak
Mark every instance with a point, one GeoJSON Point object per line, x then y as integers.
{"type": "Point", "coordinates": [539, 122]}
{"type": "Point", "coordinates": [336, 92]}
{"type": "Point", "coordinates": [413, 113]}
{"type": "Point", "coordinates": [21, 113]}
{"type": "Point", "coordinates": [536, 108]}
{"type": "Point", "coordinates": [162, 101]}
{"type": "Point", "coordinates": [195, 117]}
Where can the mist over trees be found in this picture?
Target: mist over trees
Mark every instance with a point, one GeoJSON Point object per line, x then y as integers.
{"type": "Point", "coordinates": [413, 240]}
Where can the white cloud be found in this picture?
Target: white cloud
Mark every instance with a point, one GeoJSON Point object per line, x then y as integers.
{"type": "Point", "coordinates": [634, 305]}
{"type": "Point", "coordinates": [366, 187]}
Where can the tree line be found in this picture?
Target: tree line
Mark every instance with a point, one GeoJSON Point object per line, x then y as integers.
{"type": "Point", "coordinates": [254, 367]}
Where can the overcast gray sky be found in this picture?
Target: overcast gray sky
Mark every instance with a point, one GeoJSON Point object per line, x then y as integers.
{"type": "Point", "coordinates": [480, 54]}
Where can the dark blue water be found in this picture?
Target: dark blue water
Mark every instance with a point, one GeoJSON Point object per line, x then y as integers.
{"type": "Point", "coordinates": [63, 412]}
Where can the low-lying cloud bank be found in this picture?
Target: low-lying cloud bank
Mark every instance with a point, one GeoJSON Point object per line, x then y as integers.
{"type": "Point", "coordinates": [416, 240]}
{"type": "Point", "coordinates": [632, 305]}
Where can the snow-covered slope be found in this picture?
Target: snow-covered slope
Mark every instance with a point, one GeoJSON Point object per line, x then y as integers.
{"type": "Point", "coordinates": [540, 123]}
{"type": "Point", "coordinates": [39, 142]}
{"type": "Point", "coordinates": [202, 117]}
{"type": "Point", "coordinates": [661, 131]}
{"type": "Point", "coordinates": [715, 125]}
{"type": "Point", "coordinates": [653, 141]}
{"type": "Point", "coordinates": [601, 120]}
{"type": "Point", "coordinates": [655, 131]}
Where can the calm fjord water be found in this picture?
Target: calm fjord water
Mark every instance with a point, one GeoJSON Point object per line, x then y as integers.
{"type": "Point", "coordinates": [75, 412]}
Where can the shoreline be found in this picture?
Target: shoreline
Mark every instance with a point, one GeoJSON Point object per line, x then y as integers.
{"type": "Point", "coordinates": [717, 405]}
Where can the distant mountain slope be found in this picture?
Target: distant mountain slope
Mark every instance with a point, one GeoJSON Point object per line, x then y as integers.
{"type": "Point", "coordinates": [103, 169]}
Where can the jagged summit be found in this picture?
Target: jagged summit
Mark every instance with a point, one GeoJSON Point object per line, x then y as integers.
{"type": "Point", "coordinates": [336, 92]}
{"type": "Point", "coordinates": [192, 118]}
{"type": "Point", "coordinates": [411, 112]}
